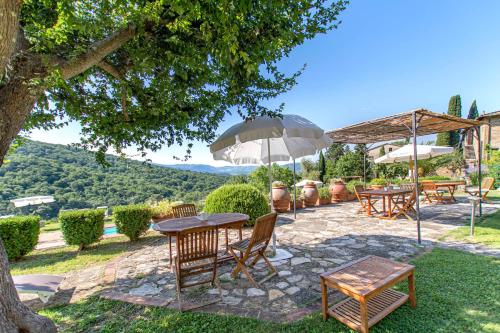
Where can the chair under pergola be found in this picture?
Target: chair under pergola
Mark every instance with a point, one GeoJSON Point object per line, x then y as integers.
{"type": "Point", "coordinates": [413, 123]}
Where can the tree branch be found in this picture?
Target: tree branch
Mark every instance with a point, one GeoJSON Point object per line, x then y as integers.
{"type": "Point", "coordinates": [9, 29]}
{"type": "Point", "coordinates": [96, 52]}
{"type": "Point", "coordinates": [115, 72]}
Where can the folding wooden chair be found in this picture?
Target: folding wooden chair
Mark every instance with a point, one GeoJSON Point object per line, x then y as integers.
{"type": "Point", "coordinates": [486, 185]}
{"type": "Point", "coordinates": [182, 210]}
{"type": "Point", "coordinates": [196, 255]}
{"type": "Point", "coordinates": [255, 246]}
{"type": "Point", "coordinates": [407, 206]}
{"type": "Point", "coordinates": [432, 192]}
{"type": "Point", "coordinates": [363, 201]}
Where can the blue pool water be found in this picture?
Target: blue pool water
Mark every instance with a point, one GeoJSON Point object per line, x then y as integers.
{"type": "Point", "coordinates": [114, 230]}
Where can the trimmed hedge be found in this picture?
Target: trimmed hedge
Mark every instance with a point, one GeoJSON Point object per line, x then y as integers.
{"type": "Point", "coordinates": [19, 235]}
{"type": "Point", "coordinates": [132, 220]}
{"type": "Point", "coordinates": [237, 198]}
{"type": "Point", "coordinates": [82, 227]}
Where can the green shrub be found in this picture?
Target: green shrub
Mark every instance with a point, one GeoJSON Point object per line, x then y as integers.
{"type": "Point", "coordinates": [82, 227]}
{"type": "Point", "coordinates": [132, 220]}
{"type": "Point", "coordinates": [350, 185]}
{"type": "Point", "coordinates": [238, 198]}
{"type": "Point", "coordinates": [378, 181]}
{"type": "Point", "coordinates": [436, 177]}
{"type": "Point", "coordinates": [324, 193]}
{"type": "Point", "coordinates": [163, 209]}
{"type": "Point", "coordinates": [19, 235]}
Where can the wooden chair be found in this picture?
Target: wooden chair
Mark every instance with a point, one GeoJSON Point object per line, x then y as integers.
{"type": "Point", "coordinates": [407, 206]}
{"type": "Point", "coordinates": [255, 246]}
{"type": "Point", "coordinates": [182, 210]}
{"type": "Point", "coordinates": [196, 255]}
{"type": "Point", "coordinates": [363, 201]}
{"type": "Point", "coordinates": [432, 192]}
{"type": "Point", "coordinates": [486, 185]}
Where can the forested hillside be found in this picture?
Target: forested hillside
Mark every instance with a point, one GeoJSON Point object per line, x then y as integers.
{"type": "Point", "coordinates": [76, 180]}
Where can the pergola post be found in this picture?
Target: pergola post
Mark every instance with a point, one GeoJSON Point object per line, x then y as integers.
{"type": "Point", "coordinates": [364, 166]}
{"type": "Point", "coordinates": [479, 166]}
{"type": "Point", "coordinates": [294, 192]}
{"type": "Point", "coordinates": [415, 174]}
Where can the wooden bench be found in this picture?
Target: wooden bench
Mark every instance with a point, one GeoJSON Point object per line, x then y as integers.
{"type": "Point", "coordinates": [367, 282]}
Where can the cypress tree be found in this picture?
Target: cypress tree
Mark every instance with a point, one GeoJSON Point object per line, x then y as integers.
{"type": "Point", "coordinates": [321, 166]}
{"type": "Point", "coordinates": [473, 113]}
{"type": "Point", "coordinates": [451, 138]}
{"type": "Point", "coordinates": [381, 152]}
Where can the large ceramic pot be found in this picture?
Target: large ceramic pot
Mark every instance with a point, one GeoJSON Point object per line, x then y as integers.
{"type": "Point", "coordinates": [338, 190]}
{"type": "Point", "coordinates": [281, 199]}
{"type": "Point", "coordinates": [299, 203]}
{"type": "Point", "coordinates": [311, 195]}
{"type": "Point", "coordinates": [377, 187]}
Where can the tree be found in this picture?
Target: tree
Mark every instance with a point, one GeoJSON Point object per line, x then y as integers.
{"type": "Point", "coordinates": [451, 138]}
{"type": "Point", "coordinates": [260, 176]}
{"type": "Point", "coordinates": [309, 169]}
{"type": "Point", "coordinates": [142, 74]}
{"type": "Point", "coordinates": [473, 113]}
{"type": "Point", "coordinates": [335, 151]}
{"type": "Point", "coordinates": [350, 164]}
{"type": "Point", "coordinates": [321, 166]}
{"type": "Point", "coordinates": [381, 151]}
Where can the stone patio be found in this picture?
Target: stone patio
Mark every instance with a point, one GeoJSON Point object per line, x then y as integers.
{"type": "Point", "coordinates": [320, 239]}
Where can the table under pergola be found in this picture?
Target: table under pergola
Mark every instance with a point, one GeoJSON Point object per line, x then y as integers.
{"type": "Point", "coordinates": [413, 123]}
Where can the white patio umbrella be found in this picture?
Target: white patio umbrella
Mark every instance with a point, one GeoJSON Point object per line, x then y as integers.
{"type": "Point", "coordinates": [302, 183]}
{"type": "Point", "coordinates": [405, 154]}
{"type": "Point", "coordinates": [266, 140]}
{"type": "Point", "coordinates": [30, 201]}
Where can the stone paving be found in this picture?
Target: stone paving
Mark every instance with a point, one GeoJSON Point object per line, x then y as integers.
{"type": "Point", "coordinates": [320, 239]}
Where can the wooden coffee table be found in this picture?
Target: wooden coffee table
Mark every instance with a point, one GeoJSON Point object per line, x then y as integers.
{"type": "Point", "coordinates": [368, 283]}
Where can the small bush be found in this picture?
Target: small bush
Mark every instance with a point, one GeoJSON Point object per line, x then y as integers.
{"type": "Point", "coordinates": [324, 193]}
{"type": "Point", "coordinates": [132, 220]}
{"type": "Point", "coordinates": [19, 235]}
{"type": "Point", "coordinates": [435, 178]}
{"type": "Point", "coordinates": [82, 227]}
{"type": "Point", "coordinates": [378, 181]}
{"type": "Point", "coordinates": [239, 198]}
{"type": "Point", "coordinates": [163, 209]}
{"type": "Point", "coordinates": [350, 185]}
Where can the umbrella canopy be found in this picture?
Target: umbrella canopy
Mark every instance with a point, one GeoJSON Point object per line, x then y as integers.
{"type": "Point", "coordinates": [305, 181]}
{"type": "Point", "coordinates": [405, 153]}
{"type": "Point", "coordinates": [29, 201]}
{"type": "Point", "coordinates": [290, 137]}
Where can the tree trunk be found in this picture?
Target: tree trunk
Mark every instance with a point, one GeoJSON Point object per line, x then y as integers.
{"type": "Point", "coordinates": [17, 99]}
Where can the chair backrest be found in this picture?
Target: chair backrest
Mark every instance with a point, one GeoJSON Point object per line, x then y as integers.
{"type": "Point", "coordinates": [358, 188]}
{"type": "Point", "coordinates": [487, 183]}
{"type": "Point", "coordinates": [263, 230]}
{"type": "Point", "coordinates": [184, 210]}
{"type": "Point", "coordinates": [413, 198]}
{"type": "Point", "coordinates": [197, 244]}
{"type": "Point", "coordinates": [407, 186]}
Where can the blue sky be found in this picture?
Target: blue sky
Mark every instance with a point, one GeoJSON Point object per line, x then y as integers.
{"type": "Point", "coordinates": [386, 57]}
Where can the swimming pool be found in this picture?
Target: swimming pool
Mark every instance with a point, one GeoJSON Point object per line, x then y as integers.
{"type": "Point", "coordinates": [114, 230]}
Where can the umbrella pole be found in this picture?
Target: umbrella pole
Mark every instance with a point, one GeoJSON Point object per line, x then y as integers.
{"type": "Point", "coordinates": [294, 192]}
{"type": "Point", "coordinates": [271, 189]}
{"type": "Point", "coordinates": [415, 175]}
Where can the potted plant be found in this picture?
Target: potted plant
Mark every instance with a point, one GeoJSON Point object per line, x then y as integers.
{"type": "Point", "coordinates": [310, 193]}
{"type": "Point", "coordinates": [325, 197]}
{"type": "Point", "coordinates": [299, 201]}
{"type": "Point", "coordinates": [378, 183]}
{"type": "Point", "coordinates": [281, 197]}
{"type": "Point", "coordinates": [338, 190]}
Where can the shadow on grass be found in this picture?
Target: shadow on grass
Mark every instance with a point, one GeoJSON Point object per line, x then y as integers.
{"type": "Point", "coordinates": [64, 259]}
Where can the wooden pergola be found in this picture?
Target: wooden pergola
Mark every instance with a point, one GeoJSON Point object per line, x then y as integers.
{"type": "Point", "coordinates": [403, 125]}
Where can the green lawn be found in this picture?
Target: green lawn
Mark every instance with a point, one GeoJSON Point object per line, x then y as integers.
{"type": "Point", "coordinates": [486, 232]}
{"type": "Point", "coordinates": [65, 259]}
{"type": "Point", "coordinates": [456, 292]}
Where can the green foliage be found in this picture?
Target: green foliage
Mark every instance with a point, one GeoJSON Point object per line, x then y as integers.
{"type": "Point", "coordinates": [494, 166]}
{"type": "Point", "coordinates": [435, 177]}
{"type": "Point", "coordinates": [77, 181]}
{"type": "Point", "coordinates": [473, 112]}
{"type": "Point", "coordinates": [321, 167]}
{"type": "Point", "coordinates": [451, 138]}
{"type": "Point", "coordinates": [394, 170]}
{"type": "Point", "coordinates": [82, 227]}
{"type": "Point", "coordinates": [309, 169]}
{"type": "Point", "coordinates": [443, 139]}
{"type": "Point", "coordinates": [381, 151]}
{"type": "Point", "coordinates": [260, 177]}
{"type": "Point", "coordinates": [239, 198]}
{"type": "Point", "coordinates": [335, 151]}
{"type": "Point", "coordinates": [132, 220]}
{"type": "Point", "coordinates": [474, 177]}
{"type": "Point", "coordinates": [163, 209]}
{"type": "Point", "coordinates": [237, 179]}
{"type": "Point", "coordinates": [350, 185]}
{"type": "Point", "coordinates": [324, 192]}
{"type": "Point", "coordinates": [19, 235]}
{"type": "Point", "coordinates": [350, 164]}
{"type": "Point", "coordinates": [188, 63]}
{"type": "Point", "coordinates": [379, 181]}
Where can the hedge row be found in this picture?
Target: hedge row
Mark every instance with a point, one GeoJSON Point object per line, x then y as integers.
{"type": "Point", "coordinates": [19, 235]}
{"type": "Point", "coordinates": [132, 220]}
{"type": "Point", "coordinates": [82, 227]}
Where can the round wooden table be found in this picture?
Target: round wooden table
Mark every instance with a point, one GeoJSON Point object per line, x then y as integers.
{"type": "Point", "coordinates": [170, 227]}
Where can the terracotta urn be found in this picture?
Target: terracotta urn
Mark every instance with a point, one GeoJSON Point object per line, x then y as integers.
{"type": "Point", "coordinates": [281, 199]}
{"type": "Point", "coordinates": [377, 187]}
{"type": "Point", "coordinates": [299, 203]}
{"type": "Point", "coordinates": [311, 195]}
{"type": "Point", "coordinates": [338, 190]}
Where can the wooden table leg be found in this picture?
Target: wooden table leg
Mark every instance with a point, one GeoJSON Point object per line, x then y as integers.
{"type": "Point", "coordinates": [227, 239]}
{"type": "Point", "coordinates": [364, 315]}
{"type": "Point", "coordinates": [383, 203]}
{"type": "Point", "coordinates": [389, 211]}
{"type": "Point", "coordinates": [324, 298]}
{"type": "Point", "coordinates": [411, 290]}
{"type": "Point", "coordinates": [369, 209]}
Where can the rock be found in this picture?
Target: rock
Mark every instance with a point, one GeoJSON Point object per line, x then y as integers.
{"type": "Point", "coordinates": [215, 291]}
{"type": "Point", "coordinates": [162, 281]}
{"type": "Point", "coordinates": [323, 263]}
{"type": "Point", "coordinates": [230, 300]}
{"type": "Point", "coordinates": [304, 284]}
{"type": "Point", "coordinates": [275, 293]}
{"type": "Point", "coordinates": [284, 273]}
{"type": "Point", "coordinates": [335, 260]}
{"type": "Point", "coordinates": [299, 260]}
{"type": "Point", "coordinates": [318, 270]}
{"type": "Point", "coordinates": [295, 278]}
{"type": "Point", "coordinates": [357, 246]}
{"type": "Point", "coordinates": [145, 290]}
{"type": "Point", "coordinates": [292, 290]}
{"type": "Point", "coordinates": [282, 285]}
{"type": "Point", "coordinates": [255, 292]}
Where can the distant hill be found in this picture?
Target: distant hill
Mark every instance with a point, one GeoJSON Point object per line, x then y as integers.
{"type": "Point", "coordinates": [76, 180]}
{"type": "Point", "coordinates": [228, 170]}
